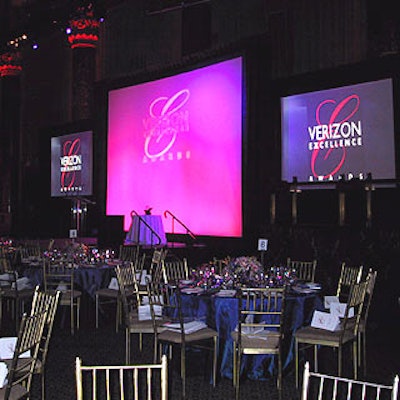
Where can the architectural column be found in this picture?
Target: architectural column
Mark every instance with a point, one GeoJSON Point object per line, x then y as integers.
{"type": "Point", "coordinates": [10, 107]}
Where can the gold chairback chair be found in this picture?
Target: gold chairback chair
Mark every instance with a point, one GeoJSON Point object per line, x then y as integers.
{"type": "Point", "coordinates": [174, 270]}
{"type": "Point", "coordinates": [21, 368]}
{"type": "Point", "coordinates": [303, 270]}
{"type": "Point", "coordinates": [362, 333]}
{"type": "Point", "coordinates": [135, 382]}
{"type": "Point", "coordinates": [128, 253]}
{"type": "Point", "coordinates": [14, 293]}
{"type": "Point", "coordinates": [108, 295]}
{"type": "Point", "coordinates": [173, 330]}
{"type": "Point", "coordinates": [30, 251]}
{"type": "Point", "coordinates": [155, 267]}
{"type": "Point", "coordinates": [346, 334]}
{"type": "Point", "coordinates": [59, 276]}
{"type": "Point", "coordinates": [42, 301]}
{"type": "Point", "coordinates": [318, 386]}
{"type": "Point", "coordinates": [349, 275]}
{"type": "Point", "coordinates": [132, 300]}
{"type": "Point", "coordinates": [260, 329]}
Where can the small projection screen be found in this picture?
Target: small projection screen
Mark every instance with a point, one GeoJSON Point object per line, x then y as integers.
{"type": "Point", "coordinates": [345, 132]}
{"type": "Point", "coordinates": [176, 144]}
{"type": "Point", "coordinates": [72, 165]}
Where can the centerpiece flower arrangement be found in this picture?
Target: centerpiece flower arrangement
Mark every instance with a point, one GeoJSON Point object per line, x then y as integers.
{"type": "Point", "coordinates": [243, 271]}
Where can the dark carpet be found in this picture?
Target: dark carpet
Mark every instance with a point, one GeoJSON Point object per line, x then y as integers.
{"type": "Point", "coordinates": [105, 346]}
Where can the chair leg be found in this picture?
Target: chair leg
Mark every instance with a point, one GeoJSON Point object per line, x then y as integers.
{"type": "Point", "coordinates": [355, 359]}
{"type": "Point", "coordinates": [296, 363]}
{"type": "Point", "coordinates": [43, 385]}
{"type": "Point", "coordinates": [238, 362]}
{"type": "Point", "coordinates": [315, 349]}
{"type": "Point", "coordinates": [363, 351]}
{"type": "Point", "coordinates": [215, 355]}
{"type": "Point", "coordinates": [127, 346]}
{"type": "Point", "coordinates": [97, 310]}
{"type": "Point", "coordinates": [78, 314]}
{"type": "Point", "coordinates": [234, 364]}
{"type": "Point", "coordinates": [183, 371]}
{"type": "Point", "coordinates": [118, 316]}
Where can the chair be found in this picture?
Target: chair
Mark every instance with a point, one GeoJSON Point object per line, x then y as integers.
{"type": "Point", "coordinates": [122, 381]}
{"type": "Point", "coordinates": [303, 270]}
{"type": "Point", "coordinates": [60, 276]}
{"type": "Point", "coordinates": [30, 251]}
{"type": "Point", "coordinates": [22, 368]}
{"type": "Point", "coordinates": [14, 292]}
{"type": "Point", "coordinates": [108, 295]}
{"type": "Point", "coordinates": [346, 334]}
{"type": "Point", "coordinates": [362, 332]}
{"type": "Point", "coordinates": [155, 268]}
{"type": "Point", "coordinates": [348, 276]}
{"type": "Point", "coordinates": [132, 298]}
{"type": "Point", "coordinates": [128, 253]}
{"type": "Point", "coordinates": [173, 330]}
{"type": "Point", "coordinates": [260, 329]}
{"type": "Point", "coordinates": [43, 302]}
{"type": "Point", "coordinates": [219, 264]}
{"type": "Point", "coordinates": [174, 270]}
{"type": "Point", "coordinates": [318, 386]}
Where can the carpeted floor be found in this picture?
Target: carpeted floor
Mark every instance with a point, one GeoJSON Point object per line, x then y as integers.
{"type": "Point", "coordinates": [105, 346]}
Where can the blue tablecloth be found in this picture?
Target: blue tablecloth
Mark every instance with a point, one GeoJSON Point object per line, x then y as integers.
{"type": "Point", "coordinates": [87, 278]}
{"type": "Point", "coordinates": [221, 314]}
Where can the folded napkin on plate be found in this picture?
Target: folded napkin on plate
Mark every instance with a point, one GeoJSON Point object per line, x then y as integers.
{"type": "Point", "coordinates": [5, 279]}
{"type": "Point", "coordinates": [22, 283]}
{"type": "Point", "coordinates": [226, 293]}
{"type": "Point", "coordinates": [195, 290]}
{"type": "Point", "coordinates": [7, 347]}
{"type": "Point", "coordinates": [113, 284]}
{"type": "Point", "coordinates": [188, 327]}
{"type": "Point", "coordinates": [3, 374]}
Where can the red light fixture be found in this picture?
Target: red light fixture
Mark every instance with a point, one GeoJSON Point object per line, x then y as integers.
{"type": "Point", "coordinates": [10, 63]}
{"type": "Point", "coordinates": [84, 28]}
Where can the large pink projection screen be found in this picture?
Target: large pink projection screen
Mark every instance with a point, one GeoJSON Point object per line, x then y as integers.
{"type": "Point", "coordinates": [176, 144]}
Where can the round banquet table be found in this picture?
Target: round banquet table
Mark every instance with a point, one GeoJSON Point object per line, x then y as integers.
{"type": "Point", "coordinates": [88, 278]}
{"type": "Point", "coordinates": [221, 313]}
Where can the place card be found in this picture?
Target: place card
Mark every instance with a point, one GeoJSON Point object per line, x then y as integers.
{"type": "Point", "coordinates": [3, 374]}
{"type": "Point", "coordinates": [325, 320]}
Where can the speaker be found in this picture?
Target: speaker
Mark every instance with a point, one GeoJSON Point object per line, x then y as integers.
{"type": "Point", "coordinates": [111, 232]}
{"type": "Point", "coordinates": [196, 28]}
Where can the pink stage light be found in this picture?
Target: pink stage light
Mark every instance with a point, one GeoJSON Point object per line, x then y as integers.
{"type": "Point", "coordinates": [176, 144]}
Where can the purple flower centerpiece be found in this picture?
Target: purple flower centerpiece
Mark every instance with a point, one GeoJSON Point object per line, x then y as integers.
{"type": "Point", "coordinates": [243, 271]}
{"type": "Point", "coordinates": [205, 276]}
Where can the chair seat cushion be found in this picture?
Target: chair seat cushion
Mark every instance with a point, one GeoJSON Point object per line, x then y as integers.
{"type": "Point", "coordinates": [313, 335]}
{"type": "Point", "coordinates": [258, 343]}
{"type": "Point", "coordinates": [140, 326]}
{"type": "Point", "coordinates": [106, 292]}
{"type": "Point", "coordinates": [168, 335]}
{"type": "Point", "coordinates": [17, 392]}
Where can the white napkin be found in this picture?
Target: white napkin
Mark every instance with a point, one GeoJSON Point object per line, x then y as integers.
{"type": "Point", "coordinates": [62, 287]}
{"type": "Point", "coordinates": [113, 284]}
{"type": "Point", "coordinates": [329, 300]}
{"type": "Point", "coordinates": [339, 309]}
{"type": "Point", "coordinates": [22, 283]}
{"type": "Point", "coordinates": [7, 348]}
{"type": "Point", "coordinates": [188, 327]}
{"type": "Point", "coordinates": [3, 374]}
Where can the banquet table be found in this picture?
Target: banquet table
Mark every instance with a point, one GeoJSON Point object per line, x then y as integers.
{"type": "Point", "coordinates": [139, 232]}
{"type": "Point", "coordinates": [221, 313]}
{"type": "Point", "coordinates": [87, 277]}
